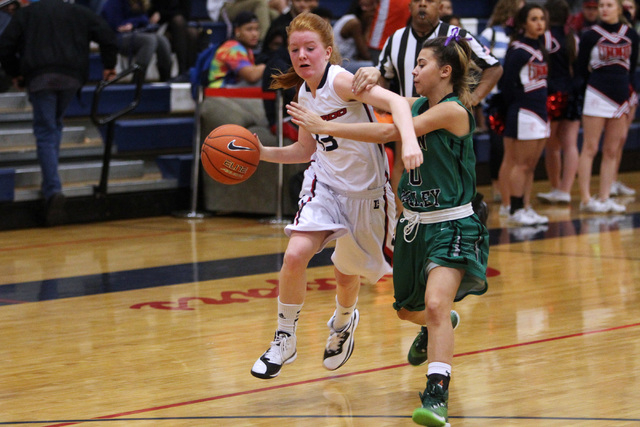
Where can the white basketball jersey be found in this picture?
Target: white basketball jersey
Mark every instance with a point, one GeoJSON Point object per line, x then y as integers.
{"type": "Point", "coordinates": [343, 164]}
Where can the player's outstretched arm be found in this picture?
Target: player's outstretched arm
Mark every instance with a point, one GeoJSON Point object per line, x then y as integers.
{"type": "Point", "coordinates": [298, 152]}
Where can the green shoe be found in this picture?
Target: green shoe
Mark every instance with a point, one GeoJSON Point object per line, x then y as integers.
{"type": "Point", "coordinates": [433, 412]}
{"type": "Point", "coordinates": [418, 352]}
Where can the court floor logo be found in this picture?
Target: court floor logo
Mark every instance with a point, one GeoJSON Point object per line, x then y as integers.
{"type": "Point", "coordinates": [233, 297]}
{"type": "Point", "coordinates": [240, 297]}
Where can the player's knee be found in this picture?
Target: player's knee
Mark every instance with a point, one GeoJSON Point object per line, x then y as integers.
{"type": "Point", "coordinates": [295, 260]}
{"type": "Point", "coordinates": [437, 311]}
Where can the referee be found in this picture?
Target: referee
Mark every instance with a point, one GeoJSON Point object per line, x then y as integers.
{"type": "Point", "coordinates": [398, 57]}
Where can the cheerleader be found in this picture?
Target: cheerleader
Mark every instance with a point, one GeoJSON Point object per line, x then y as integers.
{"type": "Point", "coordinates": [606, 61]}
{"type": "Point", "coordinates": [524, 85]}
{"type": "Point", "coordinates": [564, 105]}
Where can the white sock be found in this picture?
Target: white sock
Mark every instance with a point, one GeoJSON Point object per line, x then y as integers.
{"type": "Point", "coordinates": [439, 368]}
{"type": "Point", "coordinates": [288, 317]}
{"type": "Point", "coordinates": [342, 315]}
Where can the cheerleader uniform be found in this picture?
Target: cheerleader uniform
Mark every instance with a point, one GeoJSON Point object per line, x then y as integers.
{"type": "Point", "coordinates": [607, 60]}
{"type": "Point", "coordinates": [565, 99]}
{"type": "Point", "coordinates": [524, 87]}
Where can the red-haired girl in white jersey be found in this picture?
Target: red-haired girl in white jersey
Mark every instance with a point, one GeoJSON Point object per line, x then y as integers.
{"type": "Point", "coordinates": [345, 196]}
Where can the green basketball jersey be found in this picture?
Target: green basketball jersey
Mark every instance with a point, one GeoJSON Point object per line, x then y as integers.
{"type": "Point", "coordinates": [447, 178]}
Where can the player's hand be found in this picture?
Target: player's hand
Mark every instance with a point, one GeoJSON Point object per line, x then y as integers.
{"type": "Point", "coordinates": [259, 142]}
{"type": "Point", "coordinates": [306, 119]}
{"type": "Point", "coordinates": [364, 79]}
{"type": "Point", "coordinates": [411, 154]}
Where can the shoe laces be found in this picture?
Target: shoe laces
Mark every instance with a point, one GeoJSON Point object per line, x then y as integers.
{"type": "Point", "coordinates": [279, 346]}
{"type": "Point", "coordinates": [336, 339]}
{"type": "Point", "coordinates": [434, 395]}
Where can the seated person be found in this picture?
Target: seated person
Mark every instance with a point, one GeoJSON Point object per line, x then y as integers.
{"type": "Point", "coordinates": [137, 36]}
{"type": "Point", "coordinates": [183, 38]}
{"type": "Point", "coordinates": [350, 32]}
{"type": "Point", "coordinates": [233, 65]}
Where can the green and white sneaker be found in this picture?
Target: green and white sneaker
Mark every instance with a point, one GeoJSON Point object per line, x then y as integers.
{"type": "Point", "coordinates": [418, 352]}
{"type": "Point", "coordinates": [433, 412]}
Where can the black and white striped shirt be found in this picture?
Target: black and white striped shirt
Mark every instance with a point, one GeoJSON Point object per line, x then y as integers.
{"type": "Point", "coordinates": [400, 52]}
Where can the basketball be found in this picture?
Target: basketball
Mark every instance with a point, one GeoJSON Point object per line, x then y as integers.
{"type": "Point", "coordinates": [230, 154]}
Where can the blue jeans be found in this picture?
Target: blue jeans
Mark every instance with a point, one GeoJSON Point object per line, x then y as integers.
{"type": "Point", "coordinates": [49, 107]}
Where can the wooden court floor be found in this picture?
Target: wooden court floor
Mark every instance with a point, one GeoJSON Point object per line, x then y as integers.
{"type": "Point", "coordinates": [157, 322]}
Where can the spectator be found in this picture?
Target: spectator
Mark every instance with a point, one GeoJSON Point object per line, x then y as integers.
{"type": "Point", "coordinates": [564, 105]}
{"type": "Point", "coordinates": [608, 74]}
{"type": "Point", "coordinates": [7, 9]}
{"type": "Point", "coordinates": [351, 34]}
{"type": "Point", "coordinates": [234, 66]}
{"type": "Point", "coordinates": [446, 9]}
{"type": "Point", "coordinates": [496, 38]}
{"type": "Point", "coordinates": [524, 87]}
{"type": "Point", "coordinates": [138, 38]}
{"type": "Point", "coordinates": [297, 7]}
{"type": "Point", "coordinates": [391, 15]}
{"type": "Point", "coordinates": [277, 60]}
{"type": "Point", "coordinates": [264, 13]}
{"type": "Point", "coordinates": [183, 39]}
{"type": "Point", "coordinates": [499, 27]}
{"type": "Point", "coordinates": [52, 62]}
{"type": "Point", "coordinates": [585, 18]}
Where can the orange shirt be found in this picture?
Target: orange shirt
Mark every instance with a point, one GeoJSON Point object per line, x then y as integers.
{"type": "Point", "coordinates": [391, 15]}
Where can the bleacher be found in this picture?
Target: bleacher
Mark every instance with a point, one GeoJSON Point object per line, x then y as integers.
{"type": "Point", "coordinates": [150, 173]}
{"type": "Point", "coordinates": [152, 154]}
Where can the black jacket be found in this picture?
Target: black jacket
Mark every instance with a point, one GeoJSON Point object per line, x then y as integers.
{"type": "Point", "coordinates": [51, 36]}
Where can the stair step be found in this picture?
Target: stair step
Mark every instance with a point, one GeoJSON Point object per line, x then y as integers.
{"type": "Point", "coordinates": [16, 117]}
{"type": "Point", "coordinates": [24, 137]}
{"type": "Point", "coordinates": [12, 101]}
{"type": "Point", "coordinates": [151, 183]}
{"type": "Point", "coordinates": [30, 176]}
{"type": "Point", "coordinates": [90, 149]}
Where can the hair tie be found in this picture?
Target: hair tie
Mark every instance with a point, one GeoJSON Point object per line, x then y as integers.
{"type": "Point", "coordinates": [455, 36]}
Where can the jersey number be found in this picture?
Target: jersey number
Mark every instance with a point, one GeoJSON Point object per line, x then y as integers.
{"type": "Point", "coordinates": [415, 178]}
{"type": "Point", "coordinates": [327, 142]}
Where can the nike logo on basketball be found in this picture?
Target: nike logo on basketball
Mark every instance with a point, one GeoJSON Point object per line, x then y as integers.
{"type": "Point", "coordinates": [233, 147]}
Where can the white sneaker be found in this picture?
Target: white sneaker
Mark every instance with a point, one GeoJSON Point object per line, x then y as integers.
{"type": "Point", "coordinates": [555, 196]}
{"type": "Point", "coordinates": [522, 217]}
{"type": "Point", "coordinates": [613, 206]}
{"type": "Point", "coordinates": [340, 343]}
{"type": "Point", "coordinates": [540, 219]}
{"type": "Point", "coordinates": [281, 352]}
{"type": "Point", "coordinates": [505, 210]}
{"type": "Point", "coordinates": [619, 189]}
{"type": "Point", "coordinates": [594, 206]}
